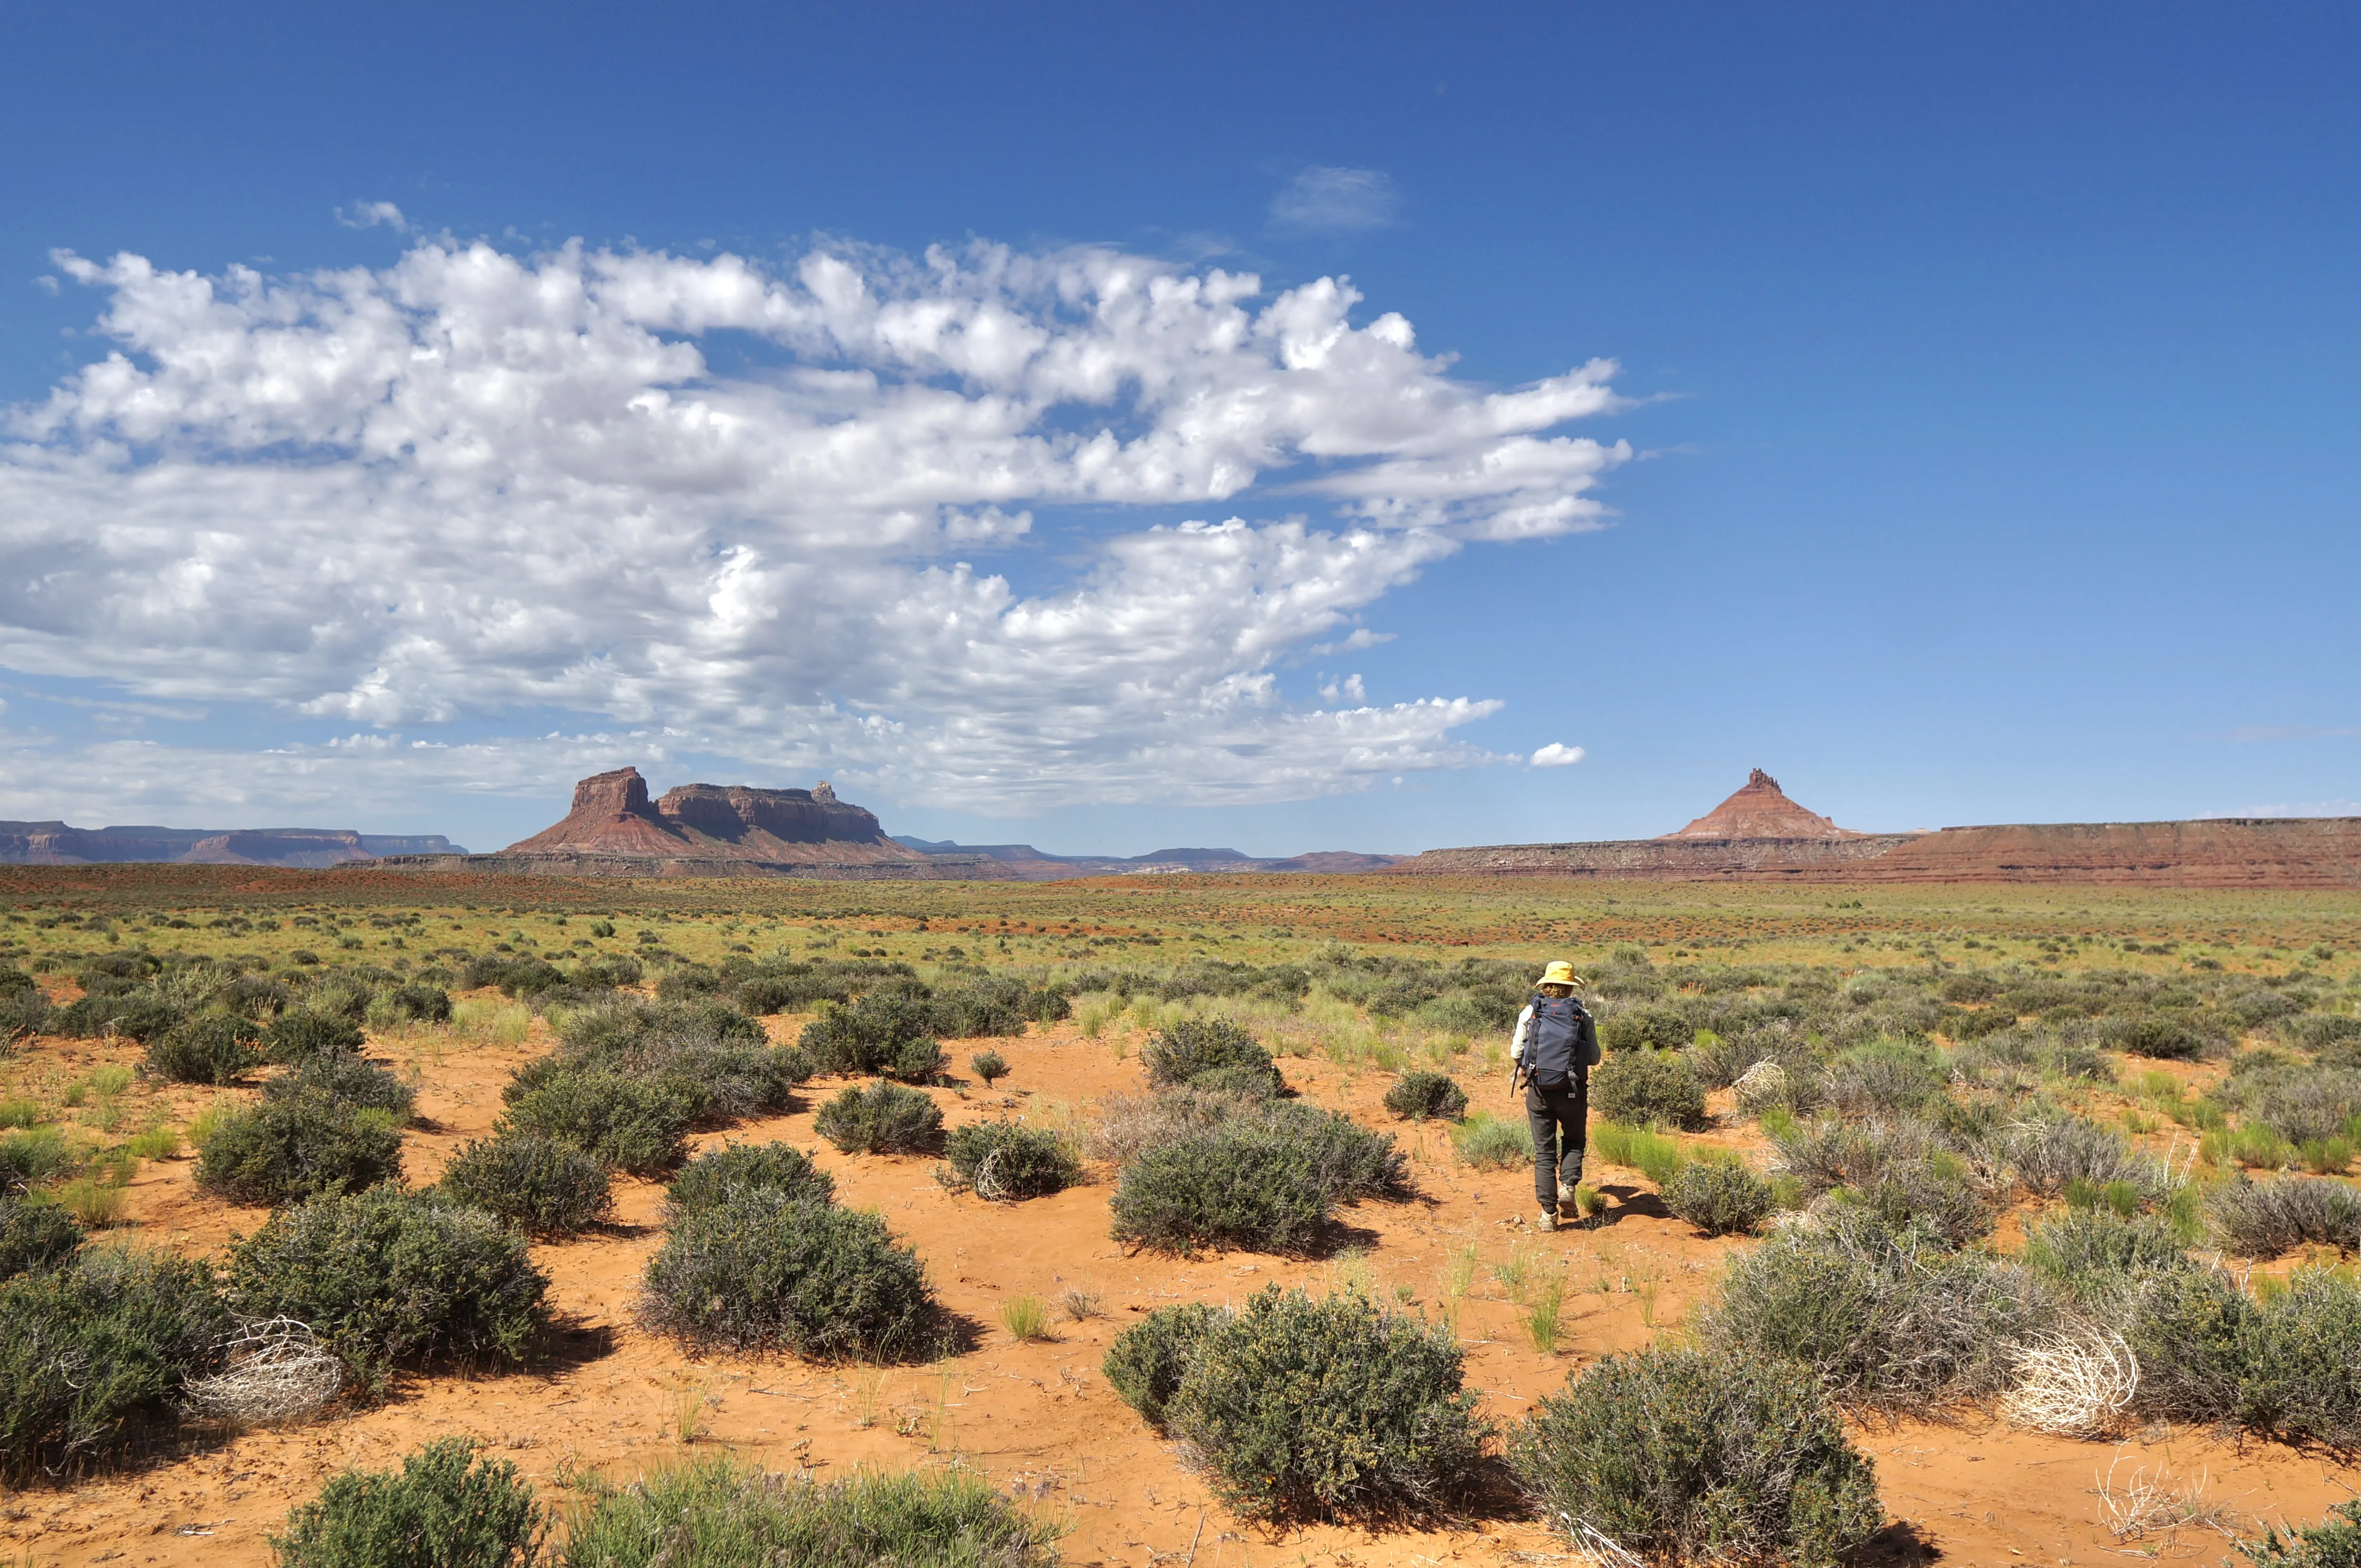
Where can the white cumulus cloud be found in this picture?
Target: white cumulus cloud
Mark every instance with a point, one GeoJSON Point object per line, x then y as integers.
{"type": "Point", "coordinates": [475, 483]}
{"type": "Point", "coordinates": [1556, 754]}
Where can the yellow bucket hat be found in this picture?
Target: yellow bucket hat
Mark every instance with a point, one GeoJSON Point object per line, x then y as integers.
{"type": "Point", "coordinates": [1560, 972]}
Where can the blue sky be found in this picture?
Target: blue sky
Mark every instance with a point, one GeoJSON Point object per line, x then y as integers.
{"type": "Point", "coordinates": [1977, 447]}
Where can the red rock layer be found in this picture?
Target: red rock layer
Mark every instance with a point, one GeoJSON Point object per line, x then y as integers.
{"type": "Point", "coordinates": [611, 815]}
{"type": "Point", "coordinates": [1762, 810]}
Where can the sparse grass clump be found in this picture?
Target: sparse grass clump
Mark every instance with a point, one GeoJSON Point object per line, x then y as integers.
{"type": "Point", "coordinates": [1718, 1195]}
{"type": "Point", "coordinates": [1309, 1408]}
{"type": "Point", "coordinates": [763, 1270]}
{"type": "Point", "coordinates": [294, 1146]}
{"type": "Point", "coordinates": [1684, 1455]}
{"type": "Point", "coordinates": [1417, 1096]}
{"type": "Point", "coordinates": [389, 1277]}
{"type": "Point", "coordinates": [883, 1118]}
{"type": "Point", "coordinates": [1008, 1160]}
{"type": "Point", "coordinates": [547, 1185]}
{"type": "Point", "coordinates": [1648, 1089]}
{"type": "Point", "coordinates": [1493, 1143]}
{"type": "Point", "coordinates": [719, 1514]}
{"type": "Point", "coordinates": [717, 1174]}
{"type": "Point", "coordinates": [1210, 1053]}
{"type": "Point", "coordinates": [446, 1507]}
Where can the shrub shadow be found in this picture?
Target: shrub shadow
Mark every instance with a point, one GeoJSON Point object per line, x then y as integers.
{"type": "Point", "coordinates": [1899, 1545]}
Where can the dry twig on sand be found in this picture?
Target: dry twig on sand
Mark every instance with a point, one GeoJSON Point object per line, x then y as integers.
{"type": "Point", "coordinates": [277, 1370]}
{"type": "Point", "coordinates": [2073, 1385]}
{"type": "Point", "coordinates": [2150, 1511]}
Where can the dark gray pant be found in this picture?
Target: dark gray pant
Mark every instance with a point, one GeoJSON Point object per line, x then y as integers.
{"type": "Point", "coordinates": [1558, 1118]}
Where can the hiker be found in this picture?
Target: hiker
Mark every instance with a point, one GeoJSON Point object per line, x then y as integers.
{"type": "Point", "coordinates": [1553, 1050]}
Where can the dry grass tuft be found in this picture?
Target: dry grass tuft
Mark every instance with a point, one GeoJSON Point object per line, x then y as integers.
{"type": "Point", "coordinates": [2152, 1514]}
{"type": "Point", "coordinates": [2074, 1385]}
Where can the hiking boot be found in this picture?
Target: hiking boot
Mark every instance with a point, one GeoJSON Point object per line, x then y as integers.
{"type": "Point", "coordinates": [1548, 1222]}
{"type": "Point", "coordinates": [1564, 1195]}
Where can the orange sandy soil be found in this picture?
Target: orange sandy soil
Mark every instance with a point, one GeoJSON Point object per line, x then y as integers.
{"type": "Point", "coordinates": [1038, 1418]}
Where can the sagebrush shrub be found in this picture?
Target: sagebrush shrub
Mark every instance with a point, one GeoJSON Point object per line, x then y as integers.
{"type": "Point", "coordinates": [2094, 1252]}
{"type": "Point", "coordinates": [716, 1514]}
{"type": "Point", "coordinates": [883, 1118]}
{"type": "Point", "coordinates": [866, 1036]}
{"type": "Point", "coordinates": [1627, 1031]}
{"type": "Point", "coordinates": [918, 1062]}
{"type": "Point", "coordinates": [545, 1184]}
{"type": "Point", "coordinates": [2165, 1039]}
{"type": "Point", "coordinates": [2189, 1327]}
{"type": "Point", "coordinates": [389, 1277]}
{"type": "Point", "coordinates": [1008, 1159]}
{"type": "Point", "coordinates": [1684, 1455]}
{"type": "Point", "coordinates": [1648, 1087]}
{"type": "Point", "coordinates": [989, 1066]}
{"type": "Point", "coordinates": [2302, 1382]}
{"type": "Point", "coordinates": [446, 1509]}
{"type": "Point", "coordinates": [1883, 1078]}
{"type": "Point", "coordinates": [212, 1047]}
{"type": "Point", "coordinates": [746, 1168]}
{"type": "Point", "coordinates": [706, 1049]}
{"type": "Point", "coordinates": [2051, 1151]}
{"type": "Point", "coordinates": [2334, 1542]}
{"type": "Point", "coordinates": [1718, 1195]}
{"type": "Point", "coordinates": [93, 1353]}
{"type": "Point", "coordinates": [630, 1124]}
{"type": "Point", "coordinates": [2263, 1219]}
{"type": "Point", "coordinates": [139, 1015]}
{"type": "Point", "coordinates": [350, 1079]}
{"type": "Point", "coordinates": [417, 1004]}
{"type": "Point", "coordinates": [1419, 1095]}
{"type": "Point", "coordinates": [1239, 1186]}
{"type": "Point", "coordinates": [294, 1146]}
{"type": "Point", "coordinates": [34, 1233]}
{"type": "Point", "coordinates": [1148, 1360]}
{"type": "Point", "coordinates": [761, 1271]}
{"type": "Point", "coordinates": [1884, 1318]}
{"type": "Point", "coordinates": [1303, 1408]}
{"type": "Point", "coordinates": [1192, 1049]}
{"type": "Point", "coordinates": [299, 1035]}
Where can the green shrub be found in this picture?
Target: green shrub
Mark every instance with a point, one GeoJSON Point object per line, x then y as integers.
{"type": "Point", "coordinates": [1247, 1185]}
{"type": "Point", "coordinates": [545, 1184]}
{"type": "Point", "coordinates": [1886, 1318]}
{"type": "Point", "coordinates": [34, 1233]}
{"type": "Point", "coordinates": [92, 1354]}
{"type": "Point", "coordinates": [2093, 1253]}
{"type": "Point", "coordinates": [350, 1079]}
{"type": "Point", "coordinates": [2047, 1152]}
{"type": "Point", "coordinates": [746, 1168]}
{"type": "Point", "coordinates": [715, 1514]}
{"type": "Point", "coordinates": [2164, 1039]}
{"type": "Point", "coordinates": [866, 1036]}
{"type": "Point", "coordinates": [1192, 1049]}
{"type": "Point", "coordinates": [1648, 1087]}
{"type": "Point", "coordinates": [389, 1277]}
{"type": "Point", "coordinates": [417, 1004]}
{"type": "Point", "coordinates": [1328, 1409]}
{"type": "Point", "coordinates": [2334, 1542]}
{"type": "Point", "coordinates": [1681, 1455]}
{"type": "Point", "coordinates": [295, 1146]}
{"type": "Point", "coordinates": [139, 1015]}
{"type": "Point", "coordinates": [1883, 1078]}
{"type": "Point", "coordinates": [989, 1066]}
{"type": "Point", "coordinates": [212, 1047]}
{"type": "Point", "coordinates": [1148, 1360]}
{"type": "Point", "coordinates": [761, 1271]}
{"type": "Point", "coordinates": [1493, 1143]}
{"type": "Point", "coordinates": [1416, 1096]}
{"type": "Point", "coordinates": [1718, 1195]}
{"type": "Point", "coordinates": [630, 1123]}
{"type": "Point", "coordinates": [2302, 1382]}
{"type": "Point", "coordinates": [1627, 1031]}
{"type": "Point", "coordinates": [705, 1048]}
{"type": "Point", "coordinates": [883, 1118]}
{"type": "Point", "coordinates": [2263, 1219]}
{"type": "Point", "coordinates": [446, 1509]}
{"type": "Point", "coordinates": [1007, 1159]}
{"type": "Point", "coordinates": [23, 1010]}
{"type": "Point", "coordinates": [918, 1062]}
{"type": "Point", "coordinates": [299, 1035]}
{"type": "Point", "coordinates": [2190, 1328]}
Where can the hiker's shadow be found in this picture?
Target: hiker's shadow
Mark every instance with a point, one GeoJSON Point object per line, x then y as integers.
{"type": "Point", "coordinates": [1628, 1201]}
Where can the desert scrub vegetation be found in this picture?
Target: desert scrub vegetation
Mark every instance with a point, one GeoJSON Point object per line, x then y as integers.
{"type": "Point", "coordinates": [719, 1513]}
{"type": "Point", "coordinates": [1648, 1087]}
{"type": "Point", "coordinates": [630, 1124]}
{"type": "Point", "coordinates": [297, 1145]}
{"type": "Point", "coordinates": [1267, 1177]}
{"type": "Point", "coordinates": [702, 1047]}
{"type": "Point", "coordinates": [1210, 1054]}
{"type": "Point", "coordinates": [299, 1035]}
{"type": "Point", "coordinates": [718, 1173]}
{"type": "Point", "coordinates": [94, 1351]}
{"type": "Point", "coordinates": [446, 1506]}
{"type": "Point", "coordinates": [545, 1185]}
{"type": "Point", "coordinates": [764, 1270]}
{"type": "Point", "coordinates": [1493, 1143]}
{"type": "Point", "coordinates": [1001, 1160]}
{"type": "Point", "coordinates": [1907, 1171]}
{"type": "Point", "coordinates": [1885, 1317]}
{"type": "Point", "coordinates": [1684, 1455]}
{"type": "Point", "coordinates": [885, 1118]}
{"type": "Point", "coordinates": [391, 1278]}
{"type": "Point", "coordinates": [1718, 1194]}
{"type": "Point", "coordinates": [1304, 1408]}
{"type": "Point", "coordinates": [350, 1079]}
{"type": "Point", "coordinates": [2264, 1219]}
{"type": "Point", "coordinates": [212, 1048]}
{"type": "Point", "coordinates": [1419, 1096]}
